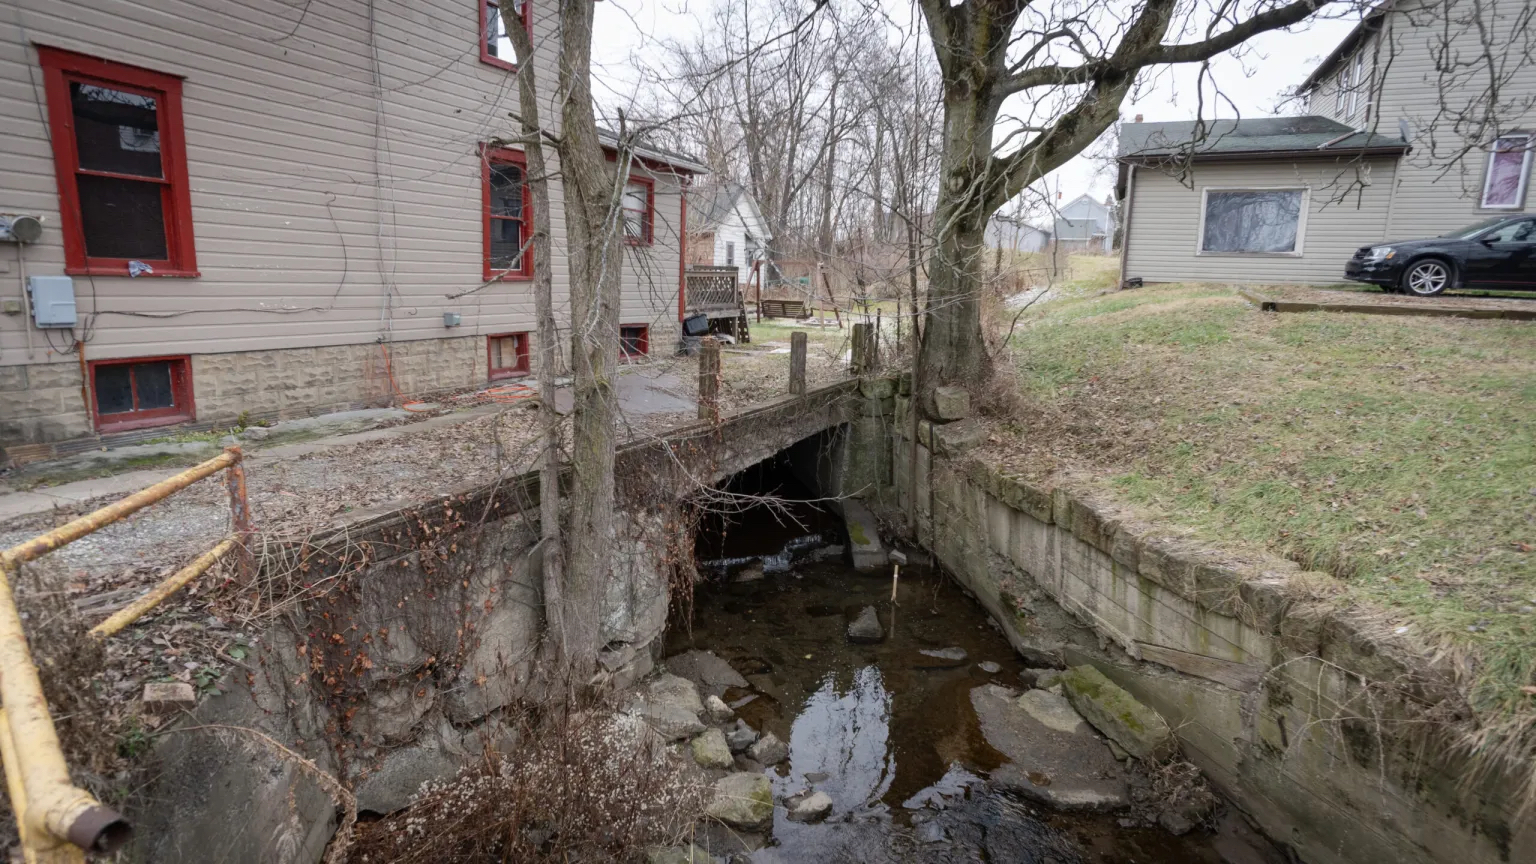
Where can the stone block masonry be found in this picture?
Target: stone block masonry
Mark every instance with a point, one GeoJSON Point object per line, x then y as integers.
{"type": "Point", "coordinates": [43, 404]}
{"type": "Point", "coordinates": [1310, 716]}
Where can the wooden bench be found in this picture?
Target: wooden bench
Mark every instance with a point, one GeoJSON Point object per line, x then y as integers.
{"type": "Point", "coordinates": [785, 309]}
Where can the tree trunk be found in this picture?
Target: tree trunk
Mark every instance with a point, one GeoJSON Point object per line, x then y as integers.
{"type": "Point", "coordinates": [595, 254]}
{"type": "Point", "coordinates": [550, 541]}
{"type": "Point", "coordinates": [952, 348]}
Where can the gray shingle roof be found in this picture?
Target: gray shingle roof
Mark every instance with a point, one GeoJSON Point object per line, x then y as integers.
{"type": "Point", "coordinates": [1258, 136]}
{"type": "Point", "coordinates": [709, 205]}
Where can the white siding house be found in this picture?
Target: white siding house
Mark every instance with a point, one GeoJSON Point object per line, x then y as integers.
{"type": "Point", "coordinates": [1084, 225]}
{"type": "Point", "coordinates": [1378, 158]}
{"type": "Point", "coordinates": [726, 228]}
{"type": "Point", "coordinates": [315, 209]}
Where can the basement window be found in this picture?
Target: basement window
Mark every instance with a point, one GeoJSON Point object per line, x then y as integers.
{"type": "Point", "coordinates": [507, 355]}
{"type": "Point", "coordinates": [495, 46]}
{"type": "Point", "coordinates": [634, 340]}
{"type": "Point", "coordinates": [145, 391]}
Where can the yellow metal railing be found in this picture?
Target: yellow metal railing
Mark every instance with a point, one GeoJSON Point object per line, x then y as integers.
{"type": "Point", "coordinates": [58, 822]}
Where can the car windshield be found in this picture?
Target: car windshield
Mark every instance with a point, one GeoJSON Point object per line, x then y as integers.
{"type": "Point", "coordinates": [1470, 230]}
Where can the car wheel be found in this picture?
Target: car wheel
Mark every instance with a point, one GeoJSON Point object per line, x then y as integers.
{"type": "Point", "coordinates": [1426, 278]}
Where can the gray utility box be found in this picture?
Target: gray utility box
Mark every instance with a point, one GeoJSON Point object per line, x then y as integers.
{"type": "Point", "coordinates": [53, 300]}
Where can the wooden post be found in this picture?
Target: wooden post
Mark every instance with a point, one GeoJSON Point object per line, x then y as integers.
{"type": "Point", "coordinates": [865, 360]}
{"type": "Point", "coordinates": [797, 343]}
{"type": "Point", "coordinates": [240, 515]}
{"type": "Point", "coordinates": [709, 379]}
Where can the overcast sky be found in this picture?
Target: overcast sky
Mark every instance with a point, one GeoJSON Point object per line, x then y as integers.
{"type": "Point", "coordinates": [626, 32]}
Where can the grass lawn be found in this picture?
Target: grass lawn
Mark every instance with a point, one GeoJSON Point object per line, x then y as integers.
{"type": "Point", "coordinates": [1396, 453]}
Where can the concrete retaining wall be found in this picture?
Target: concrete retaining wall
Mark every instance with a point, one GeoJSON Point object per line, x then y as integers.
{"type": "Point", "coordinates": [1310, 717]}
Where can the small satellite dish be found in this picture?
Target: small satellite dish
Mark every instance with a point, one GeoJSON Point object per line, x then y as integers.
{"type": "Point", "coordinates": [22, 229]}
{"type": "Point", "coordinates": [27, 229]}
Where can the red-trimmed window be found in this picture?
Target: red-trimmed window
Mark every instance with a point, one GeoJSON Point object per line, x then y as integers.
{"type": "Point", "coordinates": [634, 340]}
{"type": "Point", "coordinates": [506, 355]}
{"type": "Point", "coordinates": [495, 46]}
{"type": "Point", "coordinates": [508, 215]}
{"type": "Point", "coordinates": [121, 162]}
{"type": "Point", "coordinates": [639, 210]}
{"type": "Point", "coordinates": [143, 391]}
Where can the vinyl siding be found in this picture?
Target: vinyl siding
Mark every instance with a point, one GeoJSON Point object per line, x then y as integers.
{"type": "Point", "coordinates": [1437, 192]}
{"type": "Point", "coordinates": [1323, 100]}
{"type": "Point", "coordinates": [1164, 230]}
{"type": "Point", "coordinates": [327, 210]}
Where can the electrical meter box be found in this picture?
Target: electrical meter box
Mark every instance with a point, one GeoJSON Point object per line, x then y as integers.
{"type": "Point", "coordinates": [53, 300]}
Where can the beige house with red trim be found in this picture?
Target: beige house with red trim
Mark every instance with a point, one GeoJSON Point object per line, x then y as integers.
{"type": "Point", "coordinates": [268, 209]}
{"type": "Point", "coordinates": [1398, 143]}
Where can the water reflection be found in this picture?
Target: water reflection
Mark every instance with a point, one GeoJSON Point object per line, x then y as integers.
{"type": "Point", "coordinates": [846, 736]}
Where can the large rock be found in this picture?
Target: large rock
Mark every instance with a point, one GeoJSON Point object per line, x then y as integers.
{"type": "Point", "coordinates": [1140, 730]}
{"type": "Point", "coordinates": [392, 786]}
{"type": "Point", "coordinates": [863, 536]}
{"type": "Point", "coordinates": [711, 751]}
{"type": "Point", "coordinates": [769, 750]}
{"type": "Point", "coordinates": [718, 711]}
{"type": "Point", "coordinates": [672, 690]}
{"type": "Point", "coordinates": [1052, 710]}
{"type": "Point", "coordinates": [810, 808]}
{"type": "Point", "coordinates": [866, 628]}
{"type": "Point", "coordinates": [672, 706]}
{"type": "Point", "coordinates": [951, 403]}
{"type": "Point", "coordinates": [709, 673]}
{"type": "Point", "coordinates": [740, 736]}
{"type": "Point", "coordinates": [742, 801]}
{"type": "Point", "coordinates": [1064, 770]}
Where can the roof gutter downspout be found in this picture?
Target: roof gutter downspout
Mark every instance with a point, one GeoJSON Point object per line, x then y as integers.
{"type": "Point", "coordinates": [1125, 219]}
{"type": "Point", "coordinates": [1332, 141]}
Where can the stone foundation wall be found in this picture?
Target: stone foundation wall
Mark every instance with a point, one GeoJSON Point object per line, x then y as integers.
{"type": "Point", "coordinates": [1308, 716]}
{"type": "Point", "coordinates": [42, 404]}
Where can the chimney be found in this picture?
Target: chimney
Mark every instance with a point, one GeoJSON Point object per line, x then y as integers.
{"type": "Point", "coordinates": [1058, 196]}
{"type": "Point", "coordinates": [1138, 118]}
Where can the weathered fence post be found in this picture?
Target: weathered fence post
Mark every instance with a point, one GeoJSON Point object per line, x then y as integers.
{"type": "Point", "coordinates": [240, 515]}
{"type": "Point", "coordinates": [797, 342]}
{"type": "Point", "coordinates": [709, 379]}
{"type": "Point", "coordinates": [865, 360]}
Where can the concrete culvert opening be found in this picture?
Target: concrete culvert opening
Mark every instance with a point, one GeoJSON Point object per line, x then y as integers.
{"type": "Point", "coordinates": [900, 729]}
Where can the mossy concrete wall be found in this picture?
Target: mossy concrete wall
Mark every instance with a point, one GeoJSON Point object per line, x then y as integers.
{"type": "Point", "coordinates": [1310, 717]}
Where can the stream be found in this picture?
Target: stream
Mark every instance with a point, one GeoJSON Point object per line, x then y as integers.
{"type": "Point", "coordinates": [889, 733]}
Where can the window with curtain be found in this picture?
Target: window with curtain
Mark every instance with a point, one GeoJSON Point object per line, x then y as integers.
{"type": "Point", "coordinates": [1252, 220]}
{"type": "Point", "coordinates": [637, 211]}
{"type": "Point", "coordinates": [1509, 172]}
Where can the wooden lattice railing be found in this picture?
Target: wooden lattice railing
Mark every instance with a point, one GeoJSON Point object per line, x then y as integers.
{"type": "Point", "coordinates": [714, 291]}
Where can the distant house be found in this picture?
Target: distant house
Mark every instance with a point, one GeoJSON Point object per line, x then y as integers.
{"type": "Point", "coordinates": [1016, 236]}
{"type": "Point", "coordinates": [726, 228]}
{"type": "Point", "coordinates": [1085, 225]}
{"type": "Point", "coordinates": [1290, 199]}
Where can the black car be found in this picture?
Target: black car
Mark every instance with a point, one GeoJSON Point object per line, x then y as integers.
{"type": "Point", "coordinates": [1499, 253]}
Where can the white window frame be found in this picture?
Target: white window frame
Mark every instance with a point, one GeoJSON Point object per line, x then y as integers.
{"type": "Point", "coordinates": [1525, 173]}
{"type": "Point", "coordinates": [1357, 73]}
{"type": "Point", "coordinates": [1301, 222]}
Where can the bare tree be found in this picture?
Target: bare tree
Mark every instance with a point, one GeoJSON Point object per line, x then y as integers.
{"type": "Point", "coordinates": [1071, 64]}
{"type": "Point", "coordinates": [551, 542]}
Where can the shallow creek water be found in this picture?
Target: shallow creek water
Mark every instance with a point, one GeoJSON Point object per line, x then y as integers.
{"type": "Point", "coordinates": [889, 733]}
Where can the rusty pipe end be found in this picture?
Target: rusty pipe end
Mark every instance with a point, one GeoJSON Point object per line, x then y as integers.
{"type": "Point", "coordinates": [99, 829]}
